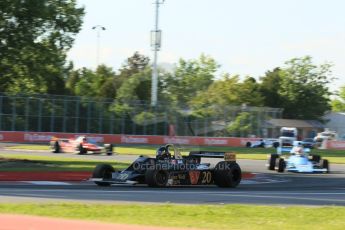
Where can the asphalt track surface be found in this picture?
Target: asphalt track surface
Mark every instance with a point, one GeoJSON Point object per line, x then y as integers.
{"type": "Point", "coordinates": [266, 188]}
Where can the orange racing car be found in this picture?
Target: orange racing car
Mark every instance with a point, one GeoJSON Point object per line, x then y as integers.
{"type": "Point", "coordinates": [80, 145]}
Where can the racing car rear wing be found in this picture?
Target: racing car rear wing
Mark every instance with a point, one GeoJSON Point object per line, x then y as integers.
{"type": "Point", "coordinates": [228, 156]}
{"type": "Point", "coordinates": [58, 139]}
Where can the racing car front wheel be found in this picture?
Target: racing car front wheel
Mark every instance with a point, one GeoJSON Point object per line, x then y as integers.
{"type": "Point", "coordinates": [156, 178]}
{"type": "Point", "coordinates": [272, 161]}
{"type": "Point", "coordinates": [325, 165]}
{"type": "Point", "coordinates": [316, 158]}
{"type": "Point", "coordinates": [55, 148]}
{"type": "Point", "coordinates": [280, 165]}
{"type": "Point", "coordinates": [227, 174]}
{"type": "Point", "coordinates": [103, 171]}
{"type": "Point", "coordinates": [275, 145]}
{"type": "Point", "coordinates": [81, 150]}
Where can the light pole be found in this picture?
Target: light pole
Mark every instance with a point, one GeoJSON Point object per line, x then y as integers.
{"type": "Point", "coordinates": [98, 29]}
{"type": "Point", "coordinates": [156, 36]}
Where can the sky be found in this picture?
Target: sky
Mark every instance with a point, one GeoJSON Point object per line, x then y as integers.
{"type": "Point", "coordinates": [246, 37]}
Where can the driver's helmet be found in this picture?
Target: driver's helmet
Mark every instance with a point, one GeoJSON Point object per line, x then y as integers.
{"type": "Point", "coordinates": [299, 150]}
{"type": "Point", "coordinates": [162, 153]}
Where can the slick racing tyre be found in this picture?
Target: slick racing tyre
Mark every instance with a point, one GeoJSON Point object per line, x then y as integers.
{"type": "Point", "coordinates": [248, 144]}
{"type": "Point", "coordinates": [272, 161]}
{"type": "Point", "coordinates": [109, 149]}
{"type": "Point", "coordinates": [316, 158]}
{"type": "Point", "coordinates": [81, 150]}
{"type": "Point", "coordinates": [227, 174]}
{"type": "Point", "coordinates": [55, 147]}
{"type": "Point", "coordinates": [325, 164]}
{"type": "Point", "coordinates": [276, 145]}
{"type": "Point", "coordinates": [103, 171]}
{"type": "Point", "coordinates": [280, 162]}
{"type": "Point", "coordinates": [156, 178]}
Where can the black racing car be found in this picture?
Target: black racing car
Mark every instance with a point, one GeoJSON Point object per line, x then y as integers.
{"type": "Point", "coordinates": [170, 168]}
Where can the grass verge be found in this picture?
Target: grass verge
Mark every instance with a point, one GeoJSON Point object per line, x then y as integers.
{"type": "Point", "coordinates": [193, 216]}
{"type": "Point", "coordinates": [26, 163]}
{"type": "Point", "coordinates": [334, 156]}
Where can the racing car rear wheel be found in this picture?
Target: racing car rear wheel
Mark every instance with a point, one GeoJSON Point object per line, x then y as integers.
{"type": "Point", "coordinates": [55, 147]}
{"type": "Point", "coordinates": [248, 144]}
{"type": "Point", "coordinates": [272, 161]}
{"type": "Point", "coordinates": [325, 164]}
{"type": "Point", "coordinates": [156, 178]}
{"type": "Point", "coordinates": [280, 165]}
{"type": "Point", "coordinates": [316, 158]}
{"type": "Point", "coordinates": [227, 174]}
{"type": "Point", "coordinates": [109, 149]}
{"type": "Point", "coordinates": [103, 171]}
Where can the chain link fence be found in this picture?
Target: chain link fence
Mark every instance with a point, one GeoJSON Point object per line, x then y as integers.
{"type": "Point", "coordinates": [71, 114]}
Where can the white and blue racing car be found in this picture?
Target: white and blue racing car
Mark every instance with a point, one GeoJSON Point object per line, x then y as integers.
{"type": "Point", "coordinates": [298, 160]}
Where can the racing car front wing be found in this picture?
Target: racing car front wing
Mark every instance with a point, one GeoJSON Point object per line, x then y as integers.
{"type": "Point", "coordinates": [113, 181]}
{"type": "Point", "coordinates": [306, 170]}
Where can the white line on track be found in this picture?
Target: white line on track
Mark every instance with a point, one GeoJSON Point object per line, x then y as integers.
{"type": "Point", "coordinates": [288, 197]}
{"type": "Point", "coordinates": [297, 196]}
{"type": "Point", "coordinates": [244, 182]}
{"type": "Point", "coordinates": [260, 193]}
{"type": "Point", "coordinates": [47, 182]}
{"type": "Point", "coordinates": [263, 181]}
{"type": "Point", "coordinates": [39, 195]}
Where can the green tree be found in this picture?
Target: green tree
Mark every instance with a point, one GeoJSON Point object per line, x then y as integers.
{"type": "Point", "coordinates": [270, 87]}
{"type": "Point", "coordinates": [102, 83]}
{"type": "Point", "coordinates": [249, 93]}
{"type": "Point", "coordinates": [105, 83]}
{"type": "Point", "coordinates": [244, 124]}
{"type": "Point", "coordinates": [304, 89]}
{"type": "Point", "coordinates": [72, 80]}
{"type": "Point", "coordinates": [144, 118]}
{"type": "Point", "coordinates": [190, 78]}
{"type": "Point", "coordinates": [134, 70]}
{"type": "Point", "coordinates": [136, 88]}
{"type": "Point", "coordinates": [34, 38]}
{"type": "Point", "coordinates": [133, 65]}
{"type": "Point", "coordinates": [338, 104]}
{"type": "Point", "coordinates": [229, 91]}
{"type": "Point", "coordinates": [84, 86]}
